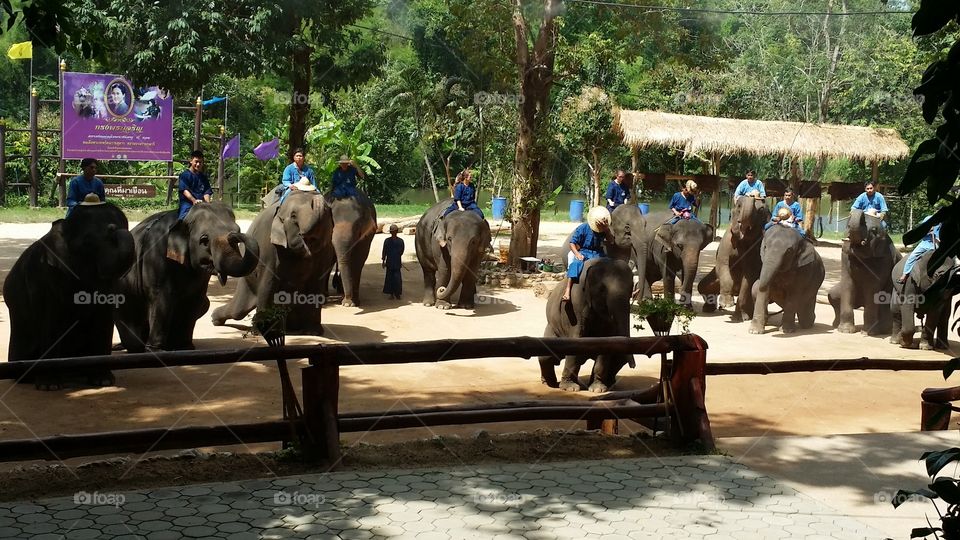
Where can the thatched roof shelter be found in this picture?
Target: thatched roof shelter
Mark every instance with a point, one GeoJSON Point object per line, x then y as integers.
{"type": "Point", "coordinates": [724, 136]}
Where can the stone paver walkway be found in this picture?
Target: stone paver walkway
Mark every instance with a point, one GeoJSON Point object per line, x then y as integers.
{"type": "Point", "coordinates": [684, 497]}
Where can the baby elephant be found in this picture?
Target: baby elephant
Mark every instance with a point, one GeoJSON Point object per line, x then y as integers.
{"type": "Point", "coordinates": [599, 306]}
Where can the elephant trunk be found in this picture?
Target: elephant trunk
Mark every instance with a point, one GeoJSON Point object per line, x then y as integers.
{"type": "Point", "coordinates": [767, 273]}
{"type": "Point", "coordinates": [114, 263]}
{"type": "Point", "coordinates": [456, 277]}
{"type": "Point", "coordinates": [228, 261]}
{"type": "Point", "coordinates": [691, 259]}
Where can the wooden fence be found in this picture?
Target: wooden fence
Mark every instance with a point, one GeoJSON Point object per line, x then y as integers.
{"type": "Point", "coordinates": [679, 396]}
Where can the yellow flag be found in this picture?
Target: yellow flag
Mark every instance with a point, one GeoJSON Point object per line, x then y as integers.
{"type": "Point", "coordinates": [21, 51]}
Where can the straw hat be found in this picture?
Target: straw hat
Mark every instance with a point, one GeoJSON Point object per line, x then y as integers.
{"type": "Point", "coordinates": [597, 215]}
{"type": "Point", "coordinates": [92, 199]}
{"type": "Point", "coordinates": [344, 159]}
{"type": "Point", "coordinates": [755, 193]}
{"type": "Point", "coordinates": [305, 185]}
{"type": "Point", "coordinates": [871, 211]}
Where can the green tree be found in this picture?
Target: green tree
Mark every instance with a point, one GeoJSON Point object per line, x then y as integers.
{"type": "Point", "coordinates": [584, 128]}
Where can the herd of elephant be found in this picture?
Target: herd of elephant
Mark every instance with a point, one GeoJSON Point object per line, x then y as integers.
{"type": "Point", "coordinates": [90, 272]}
{"type": "Point", "coordinates": [756, 265]}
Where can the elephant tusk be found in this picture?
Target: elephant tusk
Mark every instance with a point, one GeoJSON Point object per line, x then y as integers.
{"type": "Point", "coordinates": [223, 278]}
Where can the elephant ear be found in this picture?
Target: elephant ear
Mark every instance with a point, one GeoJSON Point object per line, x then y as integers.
{"type": "Point", "coordinates": [278, 234]}
{"type": "Point", "coordinates": [57, 251]}
{"type": "Point", "coordinates": [178, 243]}
{"type": "Point", "coordinates": [807, 253]}
{"type": "Point", "coordinates": [440, 234]}
{"type": "Point", "coordinates": [708, 234]}
{"type": "Point", "coordinates": [665, 233]}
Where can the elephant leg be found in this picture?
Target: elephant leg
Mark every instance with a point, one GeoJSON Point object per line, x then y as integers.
{"type": "Point", "coordinates": [927, 331]}
{"type": "Point", "coordinates": [548, 373]}
{"type": "Point", "coordinates": [468, 292]}
{"type": "Point", "coordinates": [351, 279]}
{"type": "Point", "coordinates": [843, 292]}
{"type": "Point", "coordinates": [896, 318]}
{"type": "Point", "coordinates": [570, 378]}
{"type": "Point", "coordinates": [943, 324]}
{"type": "Point", "coordinates": [242, 303]}
{"type": "Point", "coordinates": [131, 321]}
{"type": "Point", "coordinates": [807, 313]}
{"type": "Point", "coordinates": [872, 307]}
{"type": "Point", "coordinates": [669, 282]}
{"type": "Point", "coordinates": [429, 287]}
{"type": "Point", "coordinates": [789, 322]}
{"type": "Point", "coordinates": [759, 312]}
{"type": "Point", "coordinates": [605, 370]}
{"type": "Point", "coordinates": [442, 277]}
{"type": "Point", "coordinates": [744, 307]}
{"type": "Point", "coordinates": [709, 288]}
{"type": "Point", "coordinates": [727, 284]}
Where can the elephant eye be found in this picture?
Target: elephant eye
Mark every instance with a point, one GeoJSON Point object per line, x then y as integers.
{"type": "Point", "coordinates": [204, 240]}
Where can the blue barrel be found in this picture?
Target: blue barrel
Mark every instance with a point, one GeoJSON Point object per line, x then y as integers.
{"type": "Point", "coordinates": [499, 207]}
{"type": "Point", "coordinates": [644, 208]}
{"type": "Point", "coordinates": [576, 210]}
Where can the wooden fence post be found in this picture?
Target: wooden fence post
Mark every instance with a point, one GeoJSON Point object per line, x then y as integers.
{"type": "Point", "coordinates": [934, 416]}
{"type": "Point", "coordinates": [34, 154]}
{"type": "Point", "coordinates": [61, 165]}
{"type": "Point", "coordinates": [688, 386]}
{"type": "Point", "coordinates": [321, 392]}
{"type": "Point", "coordinates": [220, 163]}
{"type": "Point", "coordinates": [197, 122]}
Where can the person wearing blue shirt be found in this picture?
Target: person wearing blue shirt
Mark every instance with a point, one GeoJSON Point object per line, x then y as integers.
{"type": "Point", "coordinates": [748, 185]}
{"type": "Point", "coordinates": [872, 201]}
{"type": "Point", "coordinates": [464, 195]}
{"type": "Point", "coordinates": [294, 172]}
{"type": "Point", "coordinates": [929, 243]}
{"type": "Point", "coordinates": [85, 183]}
{"type": "Point", "coordinates": [390, 259]}
{"type": "Point", "coordinates": [789, 202]}
{"type": "Point", "coordinates": [616, 193]}
{"type": "Point", "coordinates": [344, 178]}
{"type": "Point", "coordinates": [683, 203]}
{"type": "Point", "coordinates": [786, 218]}
{"type": "Point", "coordinates": [587, 243]}
{"type": "Point", "coordinates": [194, 187]}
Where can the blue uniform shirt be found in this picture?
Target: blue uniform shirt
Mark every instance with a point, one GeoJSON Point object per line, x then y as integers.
{"type": "Point", "coordinates": [876, 202]}
{"type": "Point", "coordinates": [80, 187]}
{"type": "Point", "coordinates": [291, 174]}
{"type": "Point", "coordinates": [616, 193]}
{"type": "Point", "coordinates": [344, 182]}
{"type": "Point", "coordinates": [681, 203]}
{"type": "Point", "coordinates": [392, 252]}
{"type": "Point", "coordinates": [746, 187]}
{"type": "Point", "coordinates": [198, 186]}
{"type": "Point", "coordinates": [467, 195]}
{"type": "Point", "coordinates": [586, 239]}
{"type": "Point", "coordinates": [794, 207]}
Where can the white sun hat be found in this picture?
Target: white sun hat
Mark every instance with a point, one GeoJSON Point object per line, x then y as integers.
{"type": "Point", "coordinates": [597, 215]}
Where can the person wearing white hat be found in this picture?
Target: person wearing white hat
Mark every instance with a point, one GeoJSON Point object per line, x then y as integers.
{"type": "Point", "coordinates": [344, 178]}
{"type": "Point", "coordinates": [587, 243]}
{"type": "Point", "coordinates": [85, 184]}
{"type": "Point", "coordinates": [390, 259]}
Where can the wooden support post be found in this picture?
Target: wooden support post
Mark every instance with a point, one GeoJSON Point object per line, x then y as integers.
{"type": "Point", "coordinates": [62, 164]}
{"type": "Point", "coordinates": [220, 163]}
{"type": "Point", "coordinates": [197, 121]}
{"type": "Point", "coordinates": [715, 196]}
{"type": "Point", "coordinates": [687, 376]}
{"type": "Point", "coordinates": [321, 390]}
{"type": "Point", "coordinates": [3, 162]}
{"type": "Point", "coordinates": [634, 158]}
{"type": "Point", "coordinates": [170, 181]}
{"type": "Point", "coordinates": [934, 416]}
{"type": "Point", "coordinates": [34, 172]}
{"type": "Point", "coordinates": [875, 171]}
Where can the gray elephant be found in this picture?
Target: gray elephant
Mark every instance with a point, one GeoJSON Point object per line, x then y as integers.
{"type": "Point", "coordinates": [599, 306]}
{"type": "Point", "coordinates": [61, 292]}
{"type": "Point", "coordinates": [674, 250]}
{"type": "Point", "coordinates": [791, 276]}
{"type": "Point", "coordinates": [918, 295]}
{"type": "Point", "coordinates": [866, 261]}
{"type": "Point", "coordinates": [630, 235]}
{"type": "Point", "coordinates": [354, 226]}
{"type": "Point", "coordinates": [166, 290]}
{"type": "Point", "coordinates": [738, 260]}
{"type": "Point", "coordinates": [294, 239]}
{"type": "Point", "coordinates": [450, 251]}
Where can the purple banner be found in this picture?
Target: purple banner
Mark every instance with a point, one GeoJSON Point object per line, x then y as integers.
{"type": "Point", "coordinates": [106, 117]}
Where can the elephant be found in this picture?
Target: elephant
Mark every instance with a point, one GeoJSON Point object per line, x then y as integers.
{"type": "Point", "coordinates": [866, 262]}
{"type": "Point", "coordinates": [294, 240]}
{"type": "Point", "coordinates": [912, 297]}
{"type": "Point", "coordinates": [166, 290]}
{"type": "Point", "coordinates": [599, 306]}
{"type": "Point", "coordinates": [738, 260]}
{"type": "Point", "coordinates": [62, 289]}
{"type": "Point", "coordinates": [451, 247]}
{"type": "Point", "coordinates": [675, 249]}
{"type": "Point", "coordinates": [791, 274]}
{"type": "Point", "coordinates": [354, 226]}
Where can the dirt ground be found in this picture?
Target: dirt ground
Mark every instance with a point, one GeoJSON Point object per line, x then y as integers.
{"type": "Point", "coordinates": [795, 404]}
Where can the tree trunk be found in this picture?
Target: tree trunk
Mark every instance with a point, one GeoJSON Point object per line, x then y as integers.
{"type": "Point", "coordinates": [300, 100]}
{"type": "Point", "coordinates": [597, 201]}
{"type": "Point", "coordinates": [433, 179]}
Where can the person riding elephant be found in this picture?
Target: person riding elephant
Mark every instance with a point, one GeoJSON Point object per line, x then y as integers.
{"type": "Point", "coordinates": [587, 242]}
{"type": "Point", "coordinates": [738, 260]}
{"type": "Point", "coordinates": [166, 290]}
{"type": "Point", "coordinates": [867, 257]}
{"type": "Point", "coordinates": [791, 274]}
{"type": "Point", "coordinates": [62, 290]}
{"type": "Point", "coordinates": [599, 306]}
{"type": "Point", "coordinates": [928, 296]}
{"type": "Point", "coordinates": [450, 251]}
{"type": "Point", "coordinates": [294, 240]}
{"type": "Point", "coordinates": [673, 250]}
{"type": "Point", "coordinates": [354, 226]}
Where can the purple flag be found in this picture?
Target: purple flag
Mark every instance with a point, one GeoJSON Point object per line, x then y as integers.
{"type": "Point", "coordinates": [267, 150]}
{"type": "Point", "coordinates": [232, 148]}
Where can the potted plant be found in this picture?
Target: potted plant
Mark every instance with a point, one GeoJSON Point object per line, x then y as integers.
{"type": "Point", "coordinates": [660, 313]}
{"type": "Point", "coordinates": [271, 323]}
{"type": "Point", "coordinates": [944, 488]}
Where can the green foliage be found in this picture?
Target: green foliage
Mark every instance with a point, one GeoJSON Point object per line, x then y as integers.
{"type": "Point", "coordinates": [331, 137]}
{"type": "Point", "coordinates": [666, 308]}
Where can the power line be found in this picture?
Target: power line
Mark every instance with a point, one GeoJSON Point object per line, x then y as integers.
{"type": "Point", "coordinates": [739, 12]}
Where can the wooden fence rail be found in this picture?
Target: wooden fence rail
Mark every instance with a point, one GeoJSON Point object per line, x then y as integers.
{"type": "Point", "coordinates": [679, 396]}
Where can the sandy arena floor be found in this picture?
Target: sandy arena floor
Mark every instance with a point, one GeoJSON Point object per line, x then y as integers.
{"type": "Point", "coordinates": [801, 404]}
